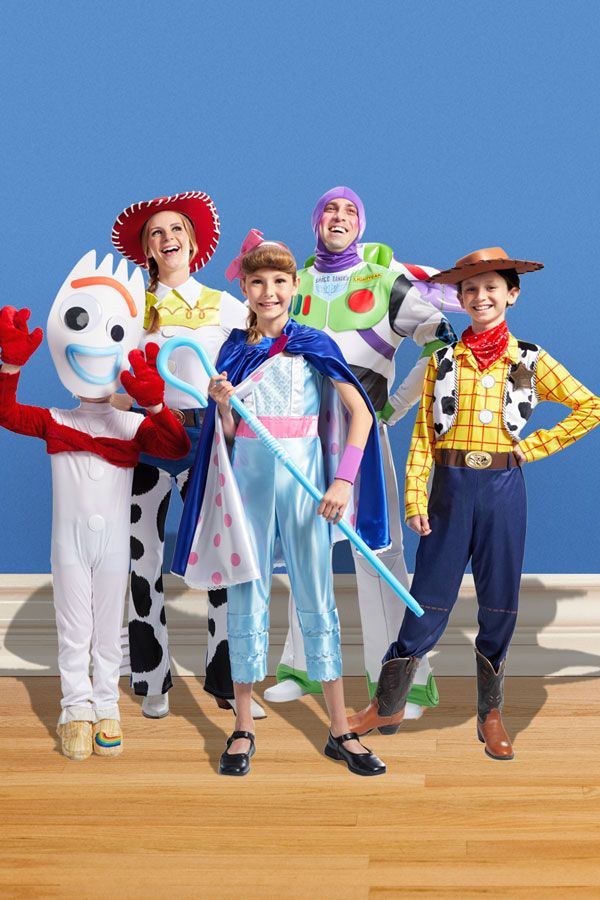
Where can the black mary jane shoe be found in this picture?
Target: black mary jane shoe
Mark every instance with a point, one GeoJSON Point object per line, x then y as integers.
{"type": "Point", "coordinates": [359, 763]}
{"type": "Point", "coordinates": [237, 763]}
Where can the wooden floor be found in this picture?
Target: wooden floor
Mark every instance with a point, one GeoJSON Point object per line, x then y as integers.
{"type": "Point", "coordinates": [444, 822]}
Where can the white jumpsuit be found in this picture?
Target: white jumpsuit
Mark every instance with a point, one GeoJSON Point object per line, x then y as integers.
{"type": "Point", "coordinates": [90, 562]}
{"type": "Point", "coordinates": [90, 532]}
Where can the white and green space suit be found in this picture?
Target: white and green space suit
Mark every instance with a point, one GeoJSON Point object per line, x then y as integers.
{"type": "Point", "coordinates": [369, 310]}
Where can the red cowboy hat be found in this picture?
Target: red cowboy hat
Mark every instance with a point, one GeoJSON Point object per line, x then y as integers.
{"type": "Point", "coordinates": [490, 259]}
{"type": "Point", "coordinates": [196, 205]}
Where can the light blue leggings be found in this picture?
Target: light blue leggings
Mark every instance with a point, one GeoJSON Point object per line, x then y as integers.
{"type": "Point", "coordinates": [281, 515]}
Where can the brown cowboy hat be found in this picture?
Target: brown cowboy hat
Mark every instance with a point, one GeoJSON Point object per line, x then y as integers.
{"type": "Point", "coordinates": [490, 259]}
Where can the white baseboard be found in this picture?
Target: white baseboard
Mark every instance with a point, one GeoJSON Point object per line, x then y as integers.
{"type": "Point", "coordinates": [558, 630]}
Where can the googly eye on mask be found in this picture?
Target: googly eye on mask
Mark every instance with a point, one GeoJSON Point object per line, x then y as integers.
{"type": "Point", "coordinates": [95, 320]}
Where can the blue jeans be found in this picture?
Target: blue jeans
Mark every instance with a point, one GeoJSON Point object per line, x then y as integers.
{"type": "Point", "coordinates": [477, 515]}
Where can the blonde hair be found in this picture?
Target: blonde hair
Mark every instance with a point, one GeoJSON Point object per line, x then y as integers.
{"type": "Point", "coordinates": [269, 255]}
{"type": "Point", "coordinates": [153, 265]}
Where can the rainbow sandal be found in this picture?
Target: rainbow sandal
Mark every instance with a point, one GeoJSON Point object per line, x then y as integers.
{"type": "Point", "coordinates": [108, 737]}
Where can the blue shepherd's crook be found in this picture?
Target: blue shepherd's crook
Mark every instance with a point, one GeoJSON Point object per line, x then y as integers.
{"type": "Point", "coordinates": [278, 451]}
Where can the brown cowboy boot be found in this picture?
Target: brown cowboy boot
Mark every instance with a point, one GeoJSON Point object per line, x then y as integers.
{"type": "Point", "coordinates": [490, 696]}
{"type": "Point", "coordinates": [386, 709]}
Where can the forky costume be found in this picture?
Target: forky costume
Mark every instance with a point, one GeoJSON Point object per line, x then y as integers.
{"type": "Point", "coordinates": [94, 323]}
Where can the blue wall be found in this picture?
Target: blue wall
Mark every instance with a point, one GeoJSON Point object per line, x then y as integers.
{"type": "Point", "coordinates": [462, 125]}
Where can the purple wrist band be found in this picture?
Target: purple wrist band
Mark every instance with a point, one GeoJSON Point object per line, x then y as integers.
{"type": "Point", "coordinates": [349, 463]}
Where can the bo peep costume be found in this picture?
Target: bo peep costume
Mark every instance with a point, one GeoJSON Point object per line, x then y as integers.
{"type": "Point", "coordinates": [283, 523]}
{"type": "Point", "coordinates": [246, 514]}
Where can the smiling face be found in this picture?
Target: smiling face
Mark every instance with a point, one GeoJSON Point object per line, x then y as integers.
{"type": "Point", "coordinates": [269, 294]}
{"type": "Point", "coordinates": [166, 238]}
{"type": "Point", "coordinates": [485, 298]}
{"type": "Point", "coordinates": [95, 320]}
{"type": "Point", "coordinates": [339, 225]}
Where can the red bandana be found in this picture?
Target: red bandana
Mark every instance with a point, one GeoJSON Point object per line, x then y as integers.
{"type": "Point", "coordinates": [487, 346]}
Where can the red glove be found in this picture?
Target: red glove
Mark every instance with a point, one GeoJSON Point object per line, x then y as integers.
{"type": "Point", "coordinates": [15, 340]}
{"type": "Point", "coordinates": [145, 385]}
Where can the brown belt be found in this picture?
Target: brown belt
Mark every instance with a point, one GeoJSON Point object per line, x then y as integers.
{"type": "Point", "coordinates": [187, 417]}
{"type": "Point", "coordinates": [475, 459]}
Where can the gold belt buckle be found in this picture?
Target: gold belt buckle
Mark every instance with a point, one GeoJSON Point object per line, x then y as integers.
{"type": "Point", "coordinates": [478, 459]}
{"type": "Point", "coordinates": [179, 414]}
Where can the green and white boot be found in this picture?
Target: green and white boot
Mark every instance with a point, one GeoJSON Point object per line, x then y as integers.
{"type": "Point", "coordinates": [291, 685]}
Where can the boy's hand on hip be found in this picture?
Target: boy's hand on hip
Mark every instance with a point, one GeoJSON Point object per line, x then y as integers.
{"type": "Point", "coordinates": [420, 524]}
{"type": "Point", "coordinates": [518, 454]}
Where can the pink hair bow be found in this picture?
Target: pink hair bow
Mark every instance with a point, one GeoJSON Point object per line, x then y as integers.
{"type": "Point", "coordinates": [253, 239]}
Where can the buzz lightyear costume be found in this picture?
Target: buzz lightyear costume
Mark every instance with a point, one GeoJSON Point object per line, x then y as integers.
{"type": "Point", "coordinates": [368, 310]}
{"type": "Point", "coordinates": [95, 320]}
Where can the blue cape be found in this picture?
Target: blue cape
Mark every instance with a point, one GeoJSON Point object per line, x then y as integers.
{"type": "Point", "coordinates": [239, 360]}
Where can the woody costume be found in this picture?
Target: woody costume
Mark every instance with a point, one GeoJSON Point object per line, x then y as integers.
{"type": "Point", "coordinates": [477, 397]}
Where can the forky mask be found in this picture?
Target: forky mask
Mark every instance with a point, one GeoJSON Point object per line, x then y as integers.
{"type": "Point", "coordinates": [95, 320]}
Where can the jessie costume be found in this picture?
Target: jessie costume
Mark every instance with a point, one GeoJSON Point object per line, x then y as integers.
{"type": "Point", "coordinates": [208, 316]}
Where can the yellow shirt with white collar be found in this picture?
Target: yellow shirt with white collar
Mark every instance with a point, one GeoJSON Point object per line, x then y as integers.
{"type": "Point", "coordinates": [479, 424]}
{"type": "Point", "coordinates": [202, 314]}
